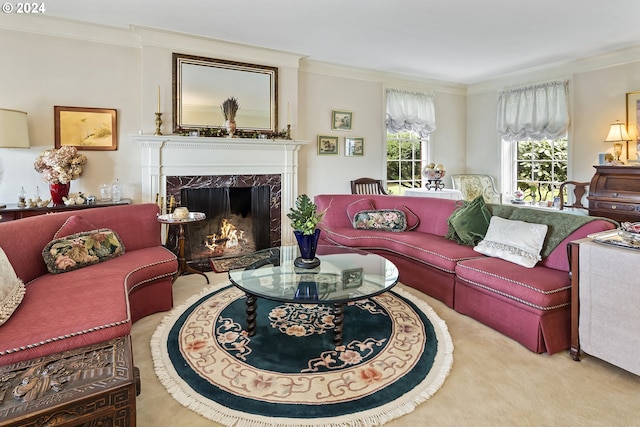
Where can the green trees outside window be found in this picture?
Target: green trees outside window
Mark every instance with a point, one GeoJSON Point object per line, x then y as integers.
{"type": "Point", "coordinates": [404, 162]}
{"type": "Point", "coordinates": [541, 168]}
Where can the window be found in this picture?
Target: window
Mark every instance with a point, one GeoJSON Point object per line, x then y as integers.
{"type": "Point", "coordinates": [533, 123]}
{"type": "Point", "coordinates": [537, 168]}
{"type": "Point", "coordinates": [405, 154]}
{"type": "Point", "coordinates": [410, 120]}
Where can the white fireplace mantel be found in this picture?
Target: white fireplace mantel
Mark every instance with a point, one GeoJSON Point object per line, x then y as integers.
{"type": "Point", "coordinates": [173, 155]}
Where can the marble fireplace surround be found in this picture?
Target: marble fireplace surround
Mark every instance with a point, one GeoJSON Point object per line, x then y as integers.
{"type": "Point", "coordinates": [182, 156]}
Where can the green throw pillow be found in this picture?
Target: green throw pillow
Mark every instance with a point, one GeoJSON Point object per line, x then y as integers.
{"type": "Point", "coordinates": [82, 249]}
{"type": "Point", "coordinates": [468, 224]}
{"type": "Point", "coordinates": [384, 219]}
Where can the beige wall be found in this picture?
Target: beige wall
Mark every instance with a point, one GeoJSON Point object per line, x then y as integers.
{"type": "Point", "coordinates": [48, 62]}
{"type": "Point", "coordinates": [39, 72]}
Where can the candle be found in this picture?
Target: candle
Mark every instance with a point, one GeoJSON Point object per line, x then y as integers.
{"type": "Point", "coordinates": [288, 113]}
{"type": "Point", "coordinates": [158, 98]}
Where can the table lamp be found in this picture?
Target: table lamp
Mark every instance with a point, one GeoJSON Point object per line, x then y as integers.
{"type": "Point", "coordinates": [617, 134]}
{"type": "Point", "coordinates": [13, 129]}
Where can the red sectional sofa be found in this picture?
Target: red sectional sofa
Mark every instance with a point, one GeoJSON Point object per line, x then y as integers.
{"type": "Point", "coordinates": [530, 305]}
{"type": "Point", "coordinates": [91, 304]}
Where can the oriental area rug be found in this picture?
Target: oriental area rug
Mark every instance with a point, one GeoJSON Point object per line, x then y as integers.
{"type": "Point", "coordinates": [395, 355]}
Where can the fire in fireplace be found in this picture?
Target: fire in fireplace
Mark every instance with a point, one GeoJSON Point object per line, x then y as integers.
{"type": "Point", "coordinates": [239, 217]}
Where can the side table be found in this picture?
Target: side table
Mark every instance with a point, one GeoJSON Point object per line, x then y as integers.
{"type": "Point", "coordinates": [170, 219]}
{"type": "Point", "coordinates": [444, 193]}
{"type": "Point", "coordinates": [604, 298]}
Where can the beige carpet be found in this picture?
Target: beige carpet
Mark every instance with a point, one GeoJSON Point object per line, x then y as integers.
{"type": "Point", "coordinates": [494, 381]}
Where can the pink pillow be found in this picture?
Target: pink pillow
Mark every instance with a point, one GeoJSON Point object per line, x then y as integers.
{"type": "Point", "coordinates": [73, 225]}
{"type": "Point", "coordinates": [359, 206]}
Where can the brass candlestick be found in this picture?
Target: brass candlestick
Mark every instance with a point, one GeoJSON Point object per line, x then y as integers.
{"type": "Point", "coordinates": [288, 131]}
{"type": "Point", "coordinates": [158, 124]}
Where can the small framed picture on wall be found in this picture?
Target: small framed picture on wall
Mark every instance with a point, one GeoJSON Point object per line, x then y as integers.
{"type": "Point", "coordinates": [353, 146]}
{"type": "Point", "coordinates": [327, 144]}
{"type": "Point", "coordinates": [341, 120]}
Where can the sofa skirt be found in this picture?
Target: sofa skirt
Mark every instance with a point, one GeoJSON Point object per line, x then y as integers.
{"type": "Point", "coordinates": [537, 330]}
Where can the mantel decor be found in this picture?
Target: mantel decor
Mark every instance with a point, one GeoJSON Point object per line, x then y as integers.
{"type": "Point", "coordinates": [86, 128]}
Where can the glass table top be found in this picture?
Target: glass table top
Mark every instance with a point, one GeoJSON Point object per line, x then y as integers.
{"type": "Point", "coordinates": [343, 275]}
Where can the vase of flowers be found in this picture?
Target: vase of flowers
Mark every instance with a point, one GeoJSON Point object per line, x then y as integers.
{"type": "Point", "coordinates": [59, 167]}
{"type": "Point", "coordinates": [229, 109]}
{"type": "Point", "coordinates": [304, 219]}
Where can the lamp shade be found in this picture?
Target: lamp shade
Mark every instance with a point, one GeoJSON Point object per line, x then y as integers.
{"type": "Point", "coordinates": [617, 133]}
{"type": "Point", "coordinates": [14, 132]}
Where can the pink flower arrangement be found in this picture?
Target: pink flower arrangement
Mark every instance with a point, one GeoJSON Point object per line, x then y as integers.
{"type": "Point", "coordinates": [60, 166]}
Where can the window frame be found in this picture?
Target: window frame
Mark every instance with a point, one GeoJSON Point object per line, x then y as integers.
{"type": "Point", "coordinates": [425, 153]}
{"type": "Point", "coordinates": [509, 166]}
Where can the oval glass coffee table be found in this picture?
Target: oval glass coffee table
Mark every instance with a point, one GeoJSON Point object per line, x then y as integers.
{"type": "Point", "coordinates": [344, 275]}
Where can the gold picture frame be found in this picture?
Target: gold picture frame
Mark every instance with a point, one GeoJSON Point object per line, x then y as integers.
{"type": "Point", "coordinates": [327, 144]}
{"type": "Point", "coordinates": [633, 122]}
{"type": "Point", "coordinates": [353, 146]}
{"type": "Point", "coordinates": [86, 128]}
{"type": "Point", "coordinates": [341, 120]}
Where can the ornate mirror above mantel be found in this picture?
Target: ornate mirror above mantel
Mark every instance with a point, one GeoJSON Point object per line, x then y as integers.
{"type": "Point", "coordinates": [201, 85]}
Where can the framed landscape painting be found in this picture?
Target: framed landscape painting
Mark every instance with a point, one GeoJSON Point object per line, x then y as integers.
{"type": "Point", "coordinates": [86, 128]}
{"type": "Point", "coordinates": [341, 120]}
{"type": "Point", "coordinates": [354, 146]}
{"type": "Point", "coordinates": [327, 144]}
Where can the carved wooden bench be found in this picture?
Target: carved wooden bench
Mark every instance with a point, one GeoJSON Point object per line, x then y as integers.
{"type": "Point", "coordinates": [89, 386]}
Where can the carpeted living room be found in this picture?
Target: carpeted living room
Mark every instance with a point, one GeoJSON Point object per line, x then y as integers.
{"type": "Point", "coordinates": [180, 184]}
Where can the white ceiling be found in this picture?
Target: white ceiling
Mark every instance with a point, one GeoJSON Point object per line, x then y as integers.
{"type": "Point", "coordinates": [459, 41]}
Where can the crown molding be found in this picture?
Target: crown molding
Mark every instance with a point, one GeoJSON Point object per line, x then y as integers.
{"type": "Point", "coordinates": [559, 70]}
{"type": "Point", "coordinates": [139, 36]}
{"type": "Point", "coordinates": [207, 46]}
{"type": "Point", "coordinates": [68, 28]}
{"type": "Point", "coordinates": [388, 79]}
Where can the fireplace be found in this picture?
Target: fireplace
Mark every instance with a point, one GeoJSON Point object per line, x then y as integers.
{"type": "Point", "coordinates": [243, 215]}
{"type": "Point", "coordinates": [171, 163]}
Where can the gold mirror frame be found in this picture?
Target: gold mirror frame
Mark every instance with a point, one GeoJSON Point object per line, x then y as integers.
{"type": "Point", "coordinates": [201, 85]}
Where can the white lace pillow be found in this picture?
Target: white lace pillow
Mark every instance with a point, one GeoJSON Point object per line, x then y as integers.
{"type": "Point", "coordinates": [515, 241]}
{"type": "Point", "coordinates": [11, 289]}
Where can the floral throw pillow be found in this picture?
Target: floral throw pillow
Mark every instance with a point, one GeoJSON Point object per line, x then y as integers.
{"type": "Point", "coordinates": [82, 249]}
{"type": "Point", "coordinates": [384, 219]}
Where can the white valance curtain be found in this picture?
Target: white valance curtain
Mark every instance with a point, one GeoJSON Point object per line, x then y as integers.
{"type": "Point", "coordinates": [534, 113]}
{"type": "Point", "coordinates": [410, 111]}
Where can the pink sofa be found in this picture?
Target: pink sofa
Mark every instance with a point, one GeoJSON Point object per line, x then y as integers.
{"type": "Point", "coordinates": [91, 304]}
{"type": "Point", "coordinates": [530, 305]}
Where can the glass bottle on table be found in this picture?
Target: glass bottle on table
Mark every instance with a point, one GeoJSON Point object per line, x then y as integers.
{"type": "Point", "coordinates": [105, 193]}
{"type": "Point", "coordinates": [116, 191]}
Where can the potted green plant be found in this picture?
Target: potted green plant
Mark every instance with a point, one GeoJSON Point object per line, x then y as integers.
{"type": "Point", "coordinates": [304, 218]}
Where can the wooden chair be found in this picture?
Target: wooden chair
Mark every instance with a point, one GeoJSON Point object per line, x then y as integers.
{"type": "Point", "coordinates": [474, 185]}
{"type": "Point", "coordinates": [579, 190]}
{"type": "Point", "coordinates": [367, 186]}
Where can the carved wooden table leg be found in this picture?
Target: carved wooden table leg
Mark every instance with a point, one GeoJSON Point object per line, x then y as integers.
{"type": "Point", "coordinates": [338, 322]}
{"type": "Point", "coordinates": [252, 306]}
